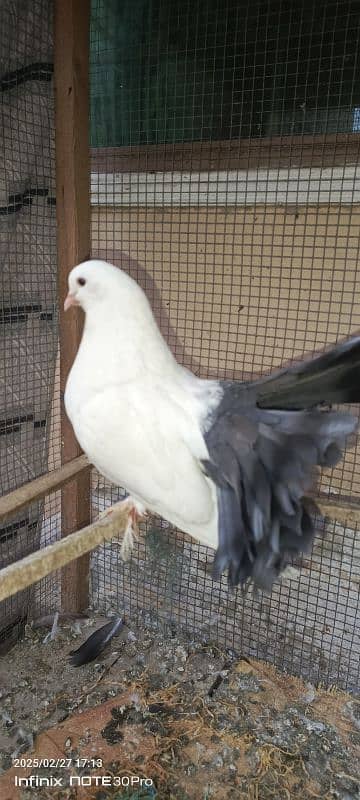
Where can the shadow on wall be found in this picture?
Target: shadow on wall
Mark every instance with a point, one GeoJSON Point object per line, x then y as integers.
{"type": "Point", "coordinates": [147, 283]}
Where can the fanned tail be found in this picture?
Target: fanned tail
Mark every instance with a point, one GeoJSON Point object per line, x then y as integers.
{"type": "Point", "coordinates": [265, 444]}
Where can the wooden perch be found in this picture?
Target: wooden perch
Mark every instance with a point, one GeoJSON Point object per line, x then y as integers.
{"type": "Point", "coordinates": [345, 513]}
{"type": "Point", "coordinates": [14, 501]}
{"type": "Point", "coordinates": [37, 565]}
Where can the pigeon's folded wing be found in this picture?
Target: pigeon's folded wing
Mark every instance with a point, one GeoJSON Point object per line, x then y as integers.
{"type": "Point", "coordinates": [138, 438]}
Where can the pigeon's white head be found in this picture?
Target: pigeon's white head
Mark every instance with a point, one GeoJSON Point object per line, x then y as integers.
{"type": "Point", "coordinates": [96, 285]}
{"type": "Point", "coordinates": [119, 319]}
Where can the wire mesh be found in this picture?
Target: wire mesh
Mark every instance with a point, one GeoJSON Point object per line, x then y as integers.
{"type": "Point", "coordinates": [29, 436]}
{"type": "Point", "coordinates": [225, 179]}
{"type": "Point", "coordinates": [225, 148]}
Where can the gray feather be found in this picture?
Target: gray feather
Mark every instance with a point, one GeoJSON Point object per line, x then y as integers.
{"type": "Point", "coordinates": [265, 443]}
{"type": "Point", "coordinates": [96, 643]}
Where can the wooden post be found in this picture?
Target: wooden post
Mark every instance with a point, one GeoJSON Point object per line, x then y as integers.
{"type": "Point", "coordinates": [72, 33]}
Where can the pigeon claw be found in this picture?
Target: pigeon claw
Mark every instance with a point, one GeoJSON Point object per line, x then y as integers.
{"type": "Point", "coordinates": [131, 534]}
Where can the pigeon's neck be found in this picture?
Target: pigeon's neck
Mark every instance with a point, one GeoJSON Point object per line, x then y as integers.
{"type": "Point", "coordinates": [125, 345]}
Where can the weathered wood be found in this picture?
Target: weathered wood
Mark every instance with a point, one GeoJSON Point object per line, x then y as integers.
{"type": "Point", "coordinates": [345, 513]}
{"type": "Point", "coordinates": [72, 22]}
{"type": "Point", "coordinates": [37, 565]}
{"type": "Point", "coordinates": [328, 150]}
{"type": "Point", "coordinates": [14, 501]}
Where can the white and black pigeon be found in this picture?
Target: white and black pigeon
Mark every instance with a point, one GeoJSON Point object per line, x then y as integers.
{"type": "Point", "coordinates": [229, 463]}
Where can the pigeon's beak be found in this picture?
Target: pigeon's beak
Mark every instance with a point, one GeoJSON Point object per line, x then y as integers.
{"type": "Point", "coordinates": [70, 300]}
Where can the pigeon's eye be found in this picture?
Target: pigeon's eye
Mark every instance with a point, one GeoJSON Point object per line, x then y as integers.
{"type": "Point", "coordinates": [81, 281]}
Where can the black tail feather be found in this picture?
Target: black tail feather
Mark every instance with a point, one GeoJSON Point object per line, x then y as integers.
{"type": "Point", "coordinates": [331, 378]}
{"type": "Point", "coordinates": [96, 643]}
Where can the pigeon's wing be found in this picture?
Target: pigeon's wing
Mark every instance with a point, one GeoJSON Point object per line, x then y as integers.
{"type": "Point", "coordinates": [263, 462]}
{"type": "Point", "coordinates": [139, 439]}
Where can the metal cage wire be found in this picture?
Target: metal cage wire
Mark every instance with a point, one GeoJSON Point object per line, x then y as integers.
{"type": "Point", "coordinates": [29, 424]}
{"type": "Point", "coordinates": [224, 178]}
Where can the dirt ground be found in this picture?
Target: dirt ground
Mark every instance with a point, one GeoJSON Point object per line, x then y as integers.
{"type": "Point", "coordinates": [190, 721]}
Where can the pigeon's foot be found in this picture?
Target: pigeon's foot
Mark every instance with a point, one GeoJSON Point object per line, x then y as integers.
{"type": "Point", "coordinates": [136, 511]}
{"type": "Point", "coordinates": [131, 534]}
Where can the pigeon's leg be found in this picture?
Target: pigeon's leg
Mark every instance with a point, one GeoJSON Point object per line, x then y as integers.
{"type": "Point", "coordinates": [135, 512]}
{"type": "Point", "coordinates": [131, 533]}
{"type": "Point", "coordinates": [52, 634]}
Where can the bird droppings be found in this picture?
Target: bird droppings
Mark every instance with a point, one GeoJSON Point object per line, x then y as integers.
{"type": "Point", "coordinates": [225, 727]}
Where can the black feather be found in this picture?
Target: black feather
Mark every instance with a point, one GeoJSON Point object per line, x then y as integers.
{"type": "Point", "coordinates": [265, 442]}
{"type": "Point", "coordinates": [96, 643]}
{"type": "Point", "coordinates": [333, 377]}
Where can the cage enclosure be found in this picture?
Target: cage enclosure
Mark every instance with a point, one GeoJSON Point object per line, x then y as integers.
{"type": "Point", "coordinates": [211, 150]}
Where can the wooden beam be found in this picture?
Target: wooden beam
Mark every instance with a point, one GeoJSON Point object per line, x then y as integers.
{"type": "Point", "coordinates": [32, 568]}
{"type": "Point", "coordinates": [328, 150]}
{"type": "Point", "coordinates": [346, 513]}
{"type": "Point", "coordinates": [72, 24]}
{"type": "Point", "coordinates": [14, 501]}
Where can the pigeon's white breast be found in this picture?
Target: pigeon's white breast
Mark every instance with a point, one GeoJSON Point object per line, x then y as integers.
{"type": "Point", "coordinates": [142, 436]}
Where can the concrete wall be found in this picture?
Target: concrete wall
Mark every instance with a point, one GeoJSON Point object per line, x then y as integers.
{"type": "Point", "coordinates": [237, 291]}
{"type": "Point", "coordinates": [241, 291]}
